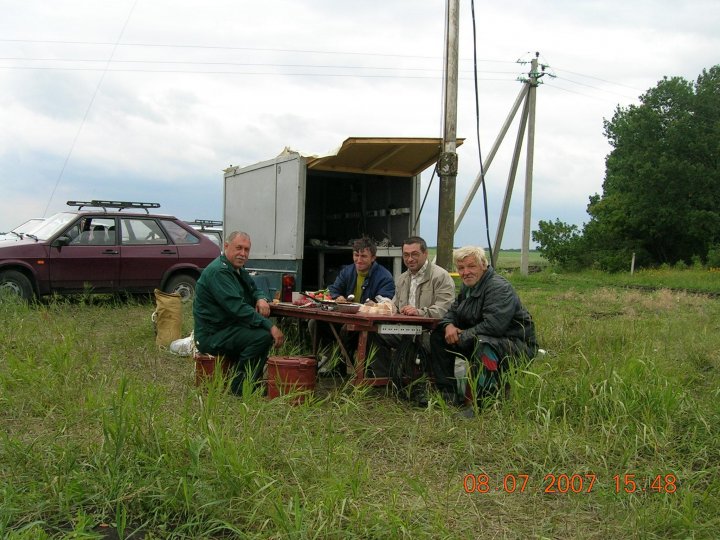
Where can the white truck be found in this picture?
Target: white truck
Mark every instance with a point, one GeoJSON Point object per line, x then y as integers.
{"type": "Point", "coordinates": [302, 212]}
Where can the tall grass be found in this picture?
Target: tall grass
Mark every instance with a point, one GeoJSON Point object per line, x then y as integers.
{"type": "Point", "coordinates": [101, 433]}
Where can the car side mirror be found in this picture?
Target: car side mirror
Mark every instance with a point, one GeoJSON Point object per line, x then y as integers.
{"type": "Point", "coordinates": [61, 241]}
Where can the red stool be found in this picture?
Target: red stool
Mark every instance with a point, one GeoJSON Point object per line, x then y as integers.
{"type": "Point", "coordinates": [205, 366]}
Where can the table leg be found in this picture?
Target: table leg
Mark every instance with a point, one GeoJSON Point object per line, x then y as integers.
{"type": "Point", "coordinates": [346, 356]}
{"type": "Point", "coordinates": [360, 357]}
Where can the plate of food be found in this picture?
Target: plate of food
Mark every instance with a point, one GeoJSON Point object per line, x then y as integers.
{"type": "Point", "coordinates": [320, 296]}
{"type": "Point", "coordinates": [347, 307]}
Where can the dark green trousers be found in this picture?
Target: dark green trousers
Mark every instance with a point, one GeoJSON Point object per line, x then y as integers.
{"type": "Point", "coordinates": [246, 348]}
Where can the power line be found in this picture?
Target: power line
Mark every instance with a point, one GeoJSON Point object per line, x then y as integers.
{"type": "Point", "coordinates": [235, 48]}
{"type": "Point", "coordinates": [599, 79]}
{"type": "Point", "coordinates": [87, 111]}
{"type": "Point", "coordinates": [218, 63]}
{"type": "Point", "coordinates": [297, 51]}
{"type": "Point", "coordinates": [248, 73]}
{"type": "Point", "coordinates": [597, 88]}
{"type": "Point", "coordinates": [555, 87]}
{"type": "Point", "coordinates": [214, 47]}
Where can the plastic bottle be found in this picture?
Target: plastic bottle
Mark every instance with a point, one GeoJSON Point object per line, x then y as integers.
{"type": "Point", "coordinates": [461, 369]}
{"type": "Point", "coordinates": [288, 284]}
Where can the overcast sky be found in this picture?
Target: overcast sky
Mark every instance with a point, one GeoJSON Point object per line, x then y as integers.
{"type": "Point", "coordinates": [149, 100]}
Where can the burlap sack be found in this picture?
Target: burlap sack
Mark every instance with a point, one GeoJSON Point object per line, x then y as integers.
{"type": "Point", "coordinates": [167, 318]}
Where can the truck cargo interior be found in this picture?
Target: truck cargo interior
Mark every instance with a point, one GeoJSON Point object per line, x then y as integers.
{"type": "Point", "coordinates": [340, 207]}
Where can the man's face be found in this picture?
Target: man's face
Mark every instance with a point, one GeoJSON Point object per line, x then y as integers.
{"type": "Point", "coordinates": [470, 271]}
{"type": "Point", "coordinates": [363, 260]}
{"type": "Point", "coordinates": [237, 251]}
{"type": "Point", "coordinates": [413, 257]}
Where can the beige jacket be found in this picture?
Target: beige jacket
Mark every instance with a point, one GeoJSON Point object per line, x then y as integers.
{"type": "Point", "coordinates": [435, 293]}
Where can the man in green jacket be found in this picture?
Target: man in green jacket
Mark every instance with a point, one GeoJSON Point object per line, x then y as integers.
{"type": "Point", "coordinates": [231, 314]}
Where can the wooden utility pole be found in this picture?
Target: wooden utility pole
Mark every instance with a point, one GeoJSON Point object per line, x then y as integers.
{"type": "Point", "coordinates": [448, 162]}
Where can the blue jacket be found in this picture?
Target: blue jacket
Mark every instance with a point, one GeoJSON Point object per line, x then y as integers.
{"type": "Point", "coordinates": [379, 281]}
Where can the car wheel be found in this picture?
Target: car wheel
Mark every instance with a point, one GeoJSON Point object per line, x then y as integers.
{"type": "Point", "coordinates": [14, 283]}
{"type": "Point", "coordinates": [182, 284]}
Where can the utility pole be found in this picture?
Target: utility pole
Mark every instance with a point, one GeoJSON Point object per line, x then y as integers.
{"type": "Point", "coordinates": [448, 161]}
{"type": "Point", "coordinates": [489, 159]}
{"type": "Point", "coordinates": [532, 90]}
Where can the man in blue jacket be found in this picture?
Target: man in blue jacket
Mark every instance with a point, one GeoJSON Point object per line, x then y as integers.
{"type": "Point", "coordinates": [365, 279]}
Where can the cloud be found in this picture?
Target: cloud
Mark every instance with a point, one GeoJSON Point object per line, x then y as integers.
{"type": "Point", "coordinates": [197, 86]}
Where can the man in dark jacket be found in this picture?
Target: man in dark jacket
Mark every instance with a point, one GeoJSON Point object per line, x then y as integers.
{"type": "Point", "coordinates": [231, 314]}
{"type": "Point", "coordinates": [487, 325]}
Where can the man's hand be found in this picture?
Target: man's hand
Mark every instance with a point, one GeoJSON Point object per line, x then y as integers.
{"type": "Point", "coordinates": [277, 335]}
{"type": "Point", "coordinates": [262, 307]}
{"type": "Point", "coordinates": [410, 310]}
{"type": "Point", "coordinates": [452, 334]}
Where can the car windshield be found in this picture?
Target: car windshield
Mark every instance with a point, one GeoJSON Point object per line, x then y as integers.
{"type": "Point", "coordinates": [28, 226]}
{"type": "Point", "coordinates": [53, 225]}
{"type": "Point", "coordinates": [214, 236]}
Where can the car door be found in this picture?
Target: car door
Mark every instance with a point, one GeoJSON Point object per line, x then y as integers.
{"type": "Point", "coordinates": [147, 253]}
{"type": "Point", "coordinates": [91, 259]}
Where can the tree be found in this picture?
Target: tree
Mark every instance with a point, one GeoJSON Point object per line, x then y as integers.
{"type": "Point", "coordinates": [661, 193]}
{"type": "Point", "coordinates": [559, 243]}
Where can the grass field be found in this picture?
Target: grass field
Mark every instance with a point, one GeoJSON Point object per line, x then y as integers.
{"type": "Point", "coordinates": [613, 434]}
{"type": "Point", "coordinates": [509, 259]}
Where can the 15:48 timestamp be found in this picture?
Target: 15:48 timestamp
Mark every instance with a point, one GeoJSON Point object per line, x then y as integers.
{"type": "Point", "coordinates": [628, 483]}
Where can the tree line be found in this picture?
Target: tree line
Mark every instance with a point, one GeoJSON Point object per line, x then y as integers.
{"type": "Point", "coordinates": [661, 193]}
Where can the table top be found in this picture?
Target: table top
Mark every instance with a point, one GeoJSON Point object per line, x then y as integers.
{"type": "Point", "coordinates": [359, 320]}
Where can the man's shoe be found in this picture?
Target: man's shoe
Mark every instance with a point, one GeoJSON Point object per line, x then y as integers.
{"type": "Point", "coordinates": [466, 412]}
{"type": "Point", "coordinates": [420, 395]}
{"type": "Point", "coordinates": [450, 397]}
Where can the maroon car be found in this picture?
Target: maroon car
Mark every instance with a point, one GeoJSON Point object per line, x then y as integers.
{"type": "Point", "coordinates": [116, 246]}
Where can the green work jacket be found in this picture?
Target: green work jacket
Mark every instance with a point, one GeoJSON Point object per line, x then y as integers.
{"type": "Point", "coordinates": [226, 297]}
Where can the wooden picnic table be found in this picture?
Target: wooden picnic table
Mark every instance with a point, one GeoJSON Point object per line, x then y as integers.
{"type": "Point", "coordinates": [363, 323]}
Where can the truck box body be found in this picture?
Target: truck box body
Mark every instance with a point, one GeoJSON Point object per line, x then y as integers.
{"type": "Point", "coordinates": [302, 213]}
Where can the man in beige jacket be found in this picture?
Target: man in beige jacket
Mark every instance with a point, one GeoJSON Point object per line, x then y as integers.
{"type": "Point", "coordinates": [424, 290]}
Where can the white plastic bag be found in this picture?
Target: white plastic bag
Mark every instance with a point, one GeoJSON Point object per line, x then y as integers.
{"type": "Point", "coordinates": [183, 346]}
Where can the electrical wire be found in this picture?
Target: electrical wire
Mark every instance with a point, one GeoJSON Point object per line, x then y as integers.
{"type": "Point", "coordinates": [427, 191]}
{"type": "Point", "coordinates": [477, 128]}
{"type": "Point", "coordinates": [252, 49]}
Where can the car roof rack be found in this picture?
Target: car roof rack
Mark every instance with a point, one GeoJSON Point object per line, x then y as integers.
{"type": "Point", "coordinates": [202, 223]}
{"type": "Point", "coordinates": [120, 205]}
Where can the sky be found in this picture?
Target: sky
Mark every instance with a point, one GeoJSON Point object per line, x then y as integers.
{"type": "Point", "coordinates": [149, 100]}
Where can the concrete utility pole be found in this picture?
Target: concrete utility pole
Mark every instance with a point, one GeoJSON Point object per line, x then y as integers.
{"type": "Point", "coordinates": [532, 90]}
{"type": "Point", "coordinates": [489, 159]}
{"type": "Point", "coordinates": [448, 162]}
